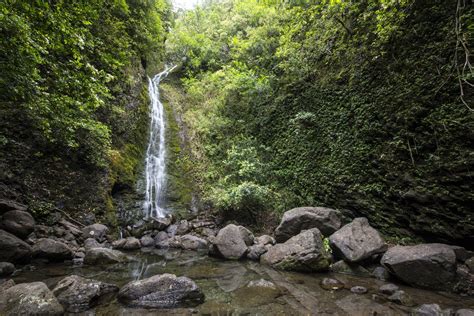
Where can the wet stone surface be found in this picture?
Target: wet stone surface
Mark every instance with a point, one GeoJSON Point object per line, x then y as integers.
{"type": "Point", "coordinates": [240, 287]}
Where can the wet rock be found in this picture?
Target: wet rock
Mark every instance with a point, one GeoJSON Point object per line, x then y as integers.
{"type": "Point", "coordinates": [129, 243]}
{"type": "Point", "coordinates": [331, 284]}
{"type": "Point", "coordinates": [18, 223]}
{"type": "Point", "coordinates": [304, 252]}
{"type": "Point", "coordinates": [5, 285]}
{"type": "Point", "coordinates": [92, 243]}
{"type": "Point", "coordinates": [96, 231]}
{"type": "Point", "coordinates": [357, 241]}
{"type": "Point", "coordinates": [381, 273]}
{"type": "Point", "coordinates": [265, 240]}
{"type": "Point", "coordinates": [72, 228]}
{"type": "Point", "coordinates": [359, 289]}
{"type": "Point", "coordinates": [388, 289]}
{"type": "Point", "coordinates": [190, 242]}
{"type": "Point", "coordinates": [428, 310]}
{"type": "Point", "coordinates": [160, 223]}
{"type": "Point", "coordinates": [232, 241]}
{"type": "Point", "coordinates": [464, 281]}
{"type": "Point", "coordinates": [183, 227]}
{"type": "Point", "coordinates": [462, 254]}
{"type": "Point", "coordinates": [96, 256]}
{"type": "Point", "coordinates": [171, 230]}
{"type": "Point", "coordinates": [345, 268]}
{"type": "Point", "coordinates": [52, 250]}
{"type": "Point", "coordinates": [13, 249]}
{"type": "Point", "coordinates": [470, 264]}
{"type": "Point", "coordinates": [465, 312]}
{"type": "Point", "coordinates": [298, 219]}
{"type": "Point", "coordinates": [147, 241]}
{"type": "Point", "coordinates": [256, 251]}
{"type": "Point", "coordinates": [9, 205]}
{"type": "Point", "coordinates": [257, 293]}
{"type": "Point", "coordinates": [29, 299]}
{"type": "Point", "coordinates": [78, 294]}
{"type": "Point", "coordinates": [161, 291]}
{"type": "Point", "coordinates": [6, 268]}
{"type": "Point", "coordinates": [402, 298]}
{"type": "Point", "coordinates": [430, 266]}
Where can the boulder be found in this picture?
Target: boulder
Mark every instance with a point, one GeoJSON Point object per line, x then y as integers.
{"type": "Point", "coordinates": [357, 241]}
{"type": "Point", "coordinates": [129, 243]}
{"type": "Point", "coordinates": [349, 268]}
{"type": "Point", "coordinates": [6, 268]}
{"type": "Point", "coordinates": [78, 294]}
{"type": "Point", "coordinates": [465, 312]}
{"type": "Point", "coordinates": [9, 205]}
{"type": "Point", "coordinates": [171, 230]}
{"type": "Point", "coordinates": [52, 250]}
{"type": "Point", "coordinates": [359, 289]}
{"type": "Point", "coordinates": [265, 240]}
{"type": "Point", "coordinates": [256, 293]}
{"type": "Point", "coordinates": [294, 221]}
{"type": "Point", "coordinates": [95, 256]}
{"type": "Point", "coordinates": [96, 231]}
{"type": "Point", "coordinates": [431, 266]}
{"type": "Point", "coordinates": [464, 281]}
{"type": "Point", "coordinates": [147, 241]}
{"type": "Point", "coordinates": [232, 241]}
{"type": "Point", "coordinates": [304, 252]}
{"type": "Point", "coordinates": [256, 251]}
{"type": "Point", "coordinates": [92, 243]}
{"type": "Point", "coordinates": [331, 284]}
{"type": "Point", "coordinates": [428, 310]}
{"type": "Point", "coordinates": [381, 273]}
{"type": "Point", "coordinates": [29, 299]}
{"type": "Point", "coordinates": [183, 227]}
{"type": "Point", "coordinates": [190, 242]}
{"type": "Point", "coordinates": [161, 291]}
{"type": "Point", "coordinates": [402, 298]}
{"type": "Point", "coordinates": [160, 223]}
{"type": "Point", "coordinates": [13, 249]}
{"type": "Point", "coordinates": [19, 223]}
{"type": "Point", "coordinates": [5, 285]}
{"type": "Point", "coordinates": [388, 289]}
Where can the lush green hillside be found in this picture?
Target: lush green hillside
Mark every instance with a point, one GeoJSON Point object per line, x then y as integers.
{"type": "Point", "coordinates": [358, 105]}
{"type": "Point", "coordinates": [74, 107]}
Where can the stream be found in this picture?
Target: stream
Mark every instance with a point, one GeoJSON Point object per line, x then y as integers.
{"type": "Point", "coordinates": [224, 284]}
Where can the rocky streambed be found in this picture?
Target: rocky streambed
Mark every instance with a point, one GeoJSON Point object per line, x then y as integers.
{"type": "Point", "coordinates": [315, 263]}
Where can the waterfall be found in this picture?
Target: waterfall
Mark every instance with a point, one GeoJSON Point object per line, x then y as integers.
{"type": "Point", "coordinates": [155, 164]}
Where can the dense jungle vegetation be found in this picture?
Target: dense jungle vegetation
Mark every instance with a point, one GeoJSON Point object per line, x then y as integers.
{"type": "Point", "coordinates": [359, 105]}
{"type": "Point", "coordinates": [74, 108]}
{"type": "Point", "coordinates": [363, 106]}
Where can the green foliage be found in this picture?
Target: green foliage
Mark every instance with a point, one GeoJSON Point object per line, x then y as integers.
{"type": "Point", "coordinates": [348, 104]}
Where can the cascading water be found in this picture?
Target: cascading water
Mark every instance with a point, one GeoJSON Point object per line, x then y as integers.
{"type": "Point", "coordinates": [155, 164]}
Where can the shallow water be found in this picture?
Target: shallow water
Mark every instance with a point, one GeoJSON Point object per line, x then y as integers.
{"type": "Point", "coordinates": [224, 285]}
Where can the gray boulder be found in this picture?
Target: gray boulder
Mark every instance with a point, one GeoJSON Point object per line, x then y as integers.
{"type": "Point", "coordinates": [465, 312]}
{"type": "Point", "coordinates": [161, 291]}
{"type": "Point", "coordinates": [29, 299]}
{"type": "Point", "coordinates": [92, 243]}
{"type": "Point", "coordinates": [265, 240]}
{"type": "Point", "coordinates": [13, 249]}
{"type": "Point", "coordinates": [294, 221]}
{"type": "Point", "coordinates": [430, 266]}
{"type": "Point", "coordinates": [19, 223]}
{"type": "Point", "coordinates": [6, 268]}
{"type": "Point", "coordinates": [190, 242]}
{"type": "Point", "coordinates": [96, 256]}
{"type": "Point", "coordinates": [256, 251]}
{"type": "Point", "coordinates": [78, 294]}
{"type": "Point", "coordinates": [9, 205]}
{"type": "Point", "coordinates": [232, 242]}
{"type": "Point", "coordinates": [357, 241]}
{"type": "Point", "coordinates": [160, 223]}
{"type": "Point", "coordinates": [388, 289]}
{"type": "Point", "coordinates": [52, 250]}
{"type": "Point", "coordinates": [147, 241]}
{"type": "Point", "coordinates": [304, 252]}
{"type": "Point", "coordinates": [183, 227]}
{"type": "Point", "coordinates": [129, 243]}
{"type": "Point", "coordinates": [428, 310]}
{"type": "Point", "coordinates": [96, 231]}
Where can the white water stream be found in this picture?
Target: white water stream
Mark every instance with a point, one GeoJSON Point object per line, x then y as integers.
{"type": "Point", "coordinates": [155, 163]}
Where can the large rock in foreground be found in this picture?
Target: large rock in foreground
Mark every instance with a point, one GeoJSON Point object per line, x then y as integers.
{"type": "Point", "coordinates": [13, 249]}
{"type": "Point", "coordinates": [304, 252]}
{"type": "Point", "coordinates": [298, 219]}
{"type": "Point", "coordinates": [104, 256]}
{"type": "Point", "coordinates": [96, 231]}
{"type": "Point", "coordinates": [232, 241]}
{"type": "Point", "coordinates": [78, 294]}
{"type": "Point", "coordinates": [357, 241]}
{"type": "Point", "coordinates": [19, 223]}
{"type": "Point", "coordinates": [431, 266]}
{"type": "Point", "coordinates": [29, 299]}
{"type": "Point", "coordinates": [52, 250]}
{"type": "Point", "coordinates": [161, 291]}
